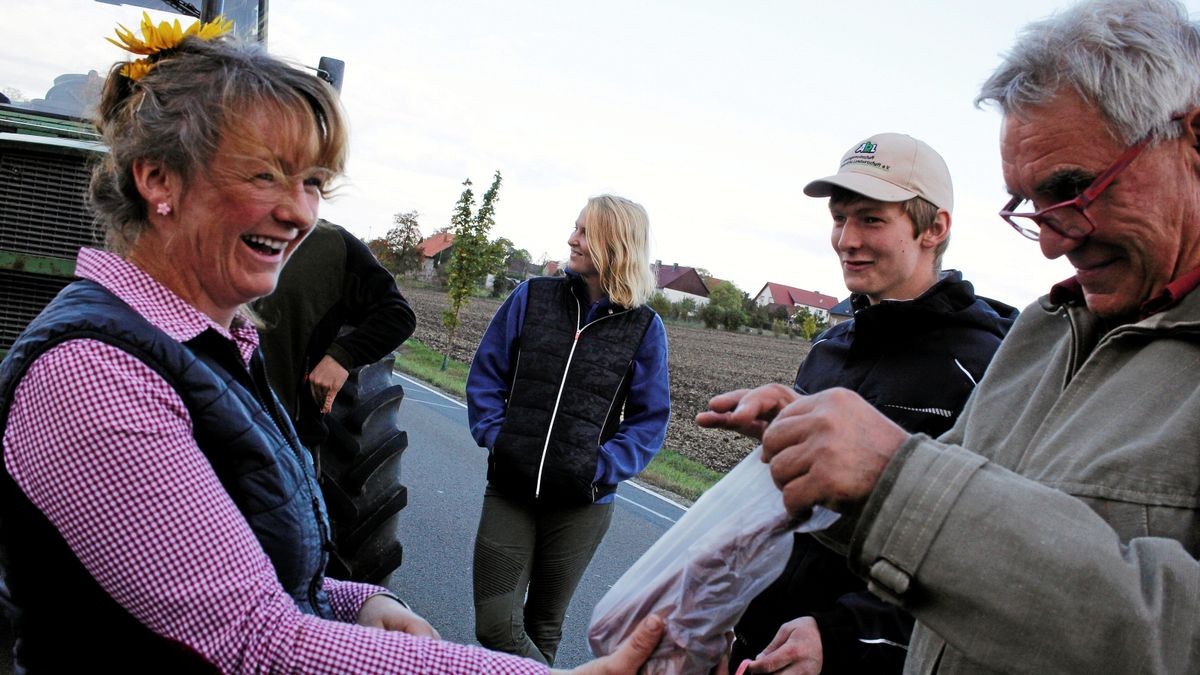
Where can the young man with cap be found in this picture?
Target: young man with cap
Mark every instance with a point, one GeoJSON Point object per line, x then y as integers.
{"type": "Point", "coordinates": [919, 341]}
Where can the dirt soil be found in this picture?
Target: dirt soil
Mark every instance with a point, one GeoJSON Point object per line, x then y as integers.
{"type": "Point", "coordinates": [703, 363]}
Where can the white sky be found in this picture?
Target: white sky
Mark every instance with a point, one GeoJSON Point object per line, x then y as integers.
{"type": "Point", "coordinates": [712, 114]}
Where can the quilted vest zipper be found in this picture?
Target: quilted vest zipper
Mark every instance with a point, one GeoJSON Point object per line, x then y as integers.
{"type": "Point", "coordinates": [537, 488]}
{"type": "Point", "coordinates": [258, 375]}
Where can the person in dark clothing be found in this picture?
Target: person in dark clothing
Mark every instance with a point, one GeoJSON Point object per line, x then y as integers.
{"type": "Point", "coordinates": [919, 341]}
{"type": "Point", "coordinates": [331, 282]}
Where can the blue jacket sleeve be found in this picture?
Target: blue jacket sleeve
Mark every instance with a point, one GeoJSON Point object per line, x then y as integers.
{"type": "Point", "coordinates": [647, 410]}
{"type": "Point", "coordinates": [490, 377]}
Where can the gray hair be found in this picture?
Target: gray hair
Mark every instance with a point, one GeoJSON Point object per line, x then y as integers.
{"type": "Point", "coordinates": [1137, 61]}
{"type": "Point", "coordinates": [177, 115]}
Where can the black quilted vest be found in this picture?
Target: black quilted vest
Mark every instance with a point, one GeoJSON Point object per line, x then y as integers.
{"type": "Point", "coordinates": [67, 622]}
{"type": "Point", "coordinates": [567, 396]}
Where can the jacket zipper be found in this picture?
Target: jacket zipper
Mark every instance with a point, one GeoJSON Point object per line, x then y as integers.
{"type": "Point", "coordinates": [611, 405]}
{"type": "Point", "coordinates": [316, 582]}
{"type": "Point", "coordinates": [537, 488]}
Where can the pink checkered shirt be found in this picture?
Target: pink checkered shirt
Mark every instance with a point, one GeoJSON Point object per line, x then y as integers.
{"type": "Point", "coordinates": [103, 447]}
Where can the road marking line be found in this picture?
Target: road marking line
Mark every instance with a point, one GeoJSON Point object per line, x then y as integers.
{"type": "Point", "coordinates": [669, 519]}
{"type": "Point", "coordinates": [430, 389]}
{"type": "Point", "coordinates": [434, 404]}
{"type": "Point", "coordinates": [462, 405]}
{"type": "Point", "coordinates": [665, 498]}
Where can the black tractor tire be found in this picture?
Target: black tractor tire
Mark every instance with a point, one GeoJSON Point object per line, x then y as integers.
{"type": "Point", "coordinates": [359, 469]}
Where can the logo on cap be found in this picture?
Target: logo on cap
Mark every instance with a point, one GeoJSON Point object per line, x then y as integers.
{"type": "Point", "coordinates": [867, 147]}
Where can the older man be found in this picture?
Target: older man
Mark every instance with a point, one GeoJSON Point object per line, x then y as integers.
{"type": "Point", "coordinates": [1054, 528]}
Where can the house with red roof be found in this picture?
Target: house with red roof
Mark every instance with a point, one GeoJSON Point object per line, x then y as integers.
{"type": "Point", "coordinates": [678, 282]}
{"type": "Point", "coordinates": [434, 250]}
{"type": "Point", "coordinates": [791, 298]}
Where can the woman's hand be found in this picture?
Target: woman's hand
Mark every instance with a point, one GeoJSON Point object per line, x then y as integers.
{"type": "Point", "coordinates": [381, 611]}
{"type": "Point", "coordinates": [630, 656]}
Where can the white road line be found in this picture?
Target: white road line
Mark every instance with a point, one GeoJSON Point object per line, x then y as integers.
{"type": "Point", "coordinates": [434, 404]}
{"type": "Point", "coordinates": [665, 498]}
{"type": "Point", "coordinates": [429, 388]}
{"type": "Point", "coordinates": [460, 404]}
{"type": "Point", "coordinates": [667, 518]}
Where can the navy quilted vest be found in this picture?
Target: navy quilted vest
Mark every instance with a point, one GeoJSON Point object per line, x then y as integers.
{"type": "Point", "coordinates": [567, 396]}
{"type": "Point", "coordinates": [67, 621]}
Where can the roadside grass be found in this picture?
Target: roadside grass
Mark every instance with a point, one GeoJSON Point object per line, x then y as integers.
{"type": "Point", "coordinates": [675, 473]}
{"type": "Point", "coordinates": [669, 470]}
{"type": "Point", "coordinates": [425, 364]}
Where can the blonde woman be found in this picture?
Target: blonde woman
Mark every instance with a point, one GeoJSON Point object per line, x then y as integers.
{"type": "Point", "coordinates": [568, 391]}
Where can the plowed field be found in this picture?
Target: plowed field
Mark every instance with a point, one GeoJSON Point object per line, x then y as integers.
{"type": "Point", "coordinates": [703, 363]}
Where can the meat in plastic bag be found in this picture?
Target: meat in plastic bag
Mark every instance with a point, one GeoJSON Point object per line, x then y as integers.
{"type": "Point", "coordinates": [703, 572]}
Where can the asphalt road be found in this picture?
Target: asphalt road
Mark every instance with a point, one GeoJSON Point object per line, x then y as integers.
{"type": "Point", "coordinates": [444, 471]}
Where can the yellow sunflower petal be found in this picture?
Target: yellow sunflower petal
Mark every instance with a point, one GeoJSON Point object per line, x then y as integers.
{"type": "Point", "coordinates": [136, 70]}
{"type": "Point", "coordinates": [147, 26]}
{"type": "Point", "coordinates": [128, 41]}
{"type": "Point", "coordinates": [166, 35]}
{"type": "Point", "coordinates": [215, 28]}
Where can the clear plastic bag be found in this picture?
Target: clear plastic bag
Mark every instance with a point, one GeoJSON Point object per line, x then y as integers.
{"type": "Point", "coordinates": [703, 572]}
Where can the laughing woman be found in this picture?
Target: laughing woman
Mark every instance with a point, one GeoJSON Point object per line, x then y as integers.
{"type": "Point", "coordinates": [568, 391]}
{"type": "Point", "coordinates": [158, 507]}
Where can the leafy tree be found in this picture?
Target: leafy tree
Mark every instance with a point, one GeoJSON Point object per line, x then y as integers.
{"type": "Point", "coordinates": [711, 315]}
{"type": "Point", "coordinates": [757, 315]}
{"type": "Point", "coordinates": [660, 304]}
{"type": "Point", "coordinates": [473, 254]}
{"type": "Point", "coordinates": [404, 243]}
{"type": "Point", "coordinates": [509, 264]}
{"type": "Point", "coordinates": [684, 308]}
{"type": "Point", "coordinates": [729, 301]}
{"type": "Point", "coordinates": [379, 249]}
{"type": "Point", "coordinates": [810, 325]}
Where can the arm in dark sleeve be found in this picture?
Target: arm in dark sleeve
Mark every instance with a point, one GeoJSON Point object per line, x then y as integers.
{"type": "Point", "coordinates": [862, 633]}
{"type": "Point", "coordinates": [643, 429]}
{"type": "Point", "coordinates": [380, 315]}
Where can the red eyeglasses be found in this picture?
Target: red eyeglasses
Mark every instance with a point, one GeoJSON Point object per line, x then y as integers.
{"type": "Point", "coordinates": [1030, 223]}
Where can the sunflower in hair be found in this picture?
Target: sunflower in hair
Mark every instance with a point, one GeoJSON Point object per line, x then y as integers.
{"type": "Point", "coordinates": [161, 38]}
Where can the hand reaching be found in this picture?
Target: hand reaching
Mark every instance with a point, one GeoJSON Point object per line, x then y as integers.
{"type": "Point", "coordinates": [381, 611]}
{"type": "Point", "coordinates": [796, 650]}
{"type": "Point", "coordinates": [829, 449]}
{"type": "Point", "coordinates": [631, 655]}
{"type": "Point", "coordinates": [746, 411]}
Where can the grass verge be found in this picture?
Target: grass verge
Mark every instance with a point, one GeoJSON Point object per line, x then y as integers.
{"type": "Point", "coordinates": [675, 473]}
{"type": "Point", "coordinates": [669, 470]}
{"type": "Point", "coordinates": [425, 364]}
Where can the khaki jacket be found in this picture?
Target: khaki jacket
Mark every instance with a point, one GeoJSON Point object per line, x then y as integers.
{"type": "Point", "coordinates": [1054, 529]}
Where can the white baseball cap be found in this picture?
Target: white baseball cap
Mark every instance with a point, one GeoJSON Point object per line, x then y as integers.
{"type": "Point", "coordinates": [891, 168]}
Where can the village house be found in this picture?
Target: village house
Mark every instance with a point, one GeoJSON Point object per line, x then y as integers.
{"type": "Point", "coordinates": [678, 283]}
{"type": "Point", "coordinates": [435, 250]}
{"type": "Point", "coordinates": [793, 299]}
{"type": "Point", "coordinates": [841, 312]}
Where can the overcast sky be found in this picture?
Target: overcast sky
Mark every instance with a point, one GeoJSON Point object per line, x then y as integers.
{"type": "Point", "coordinates": [711, 114]}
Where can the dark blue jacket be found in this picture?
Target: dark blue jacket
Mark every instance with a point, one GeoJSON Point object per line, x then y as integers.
{"type": "Point", "coordinates": [239, 426]}
{"type": "Point", "coordinates": [647, 406]}
{"type": "Point", "coordinates": [917, 361]}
